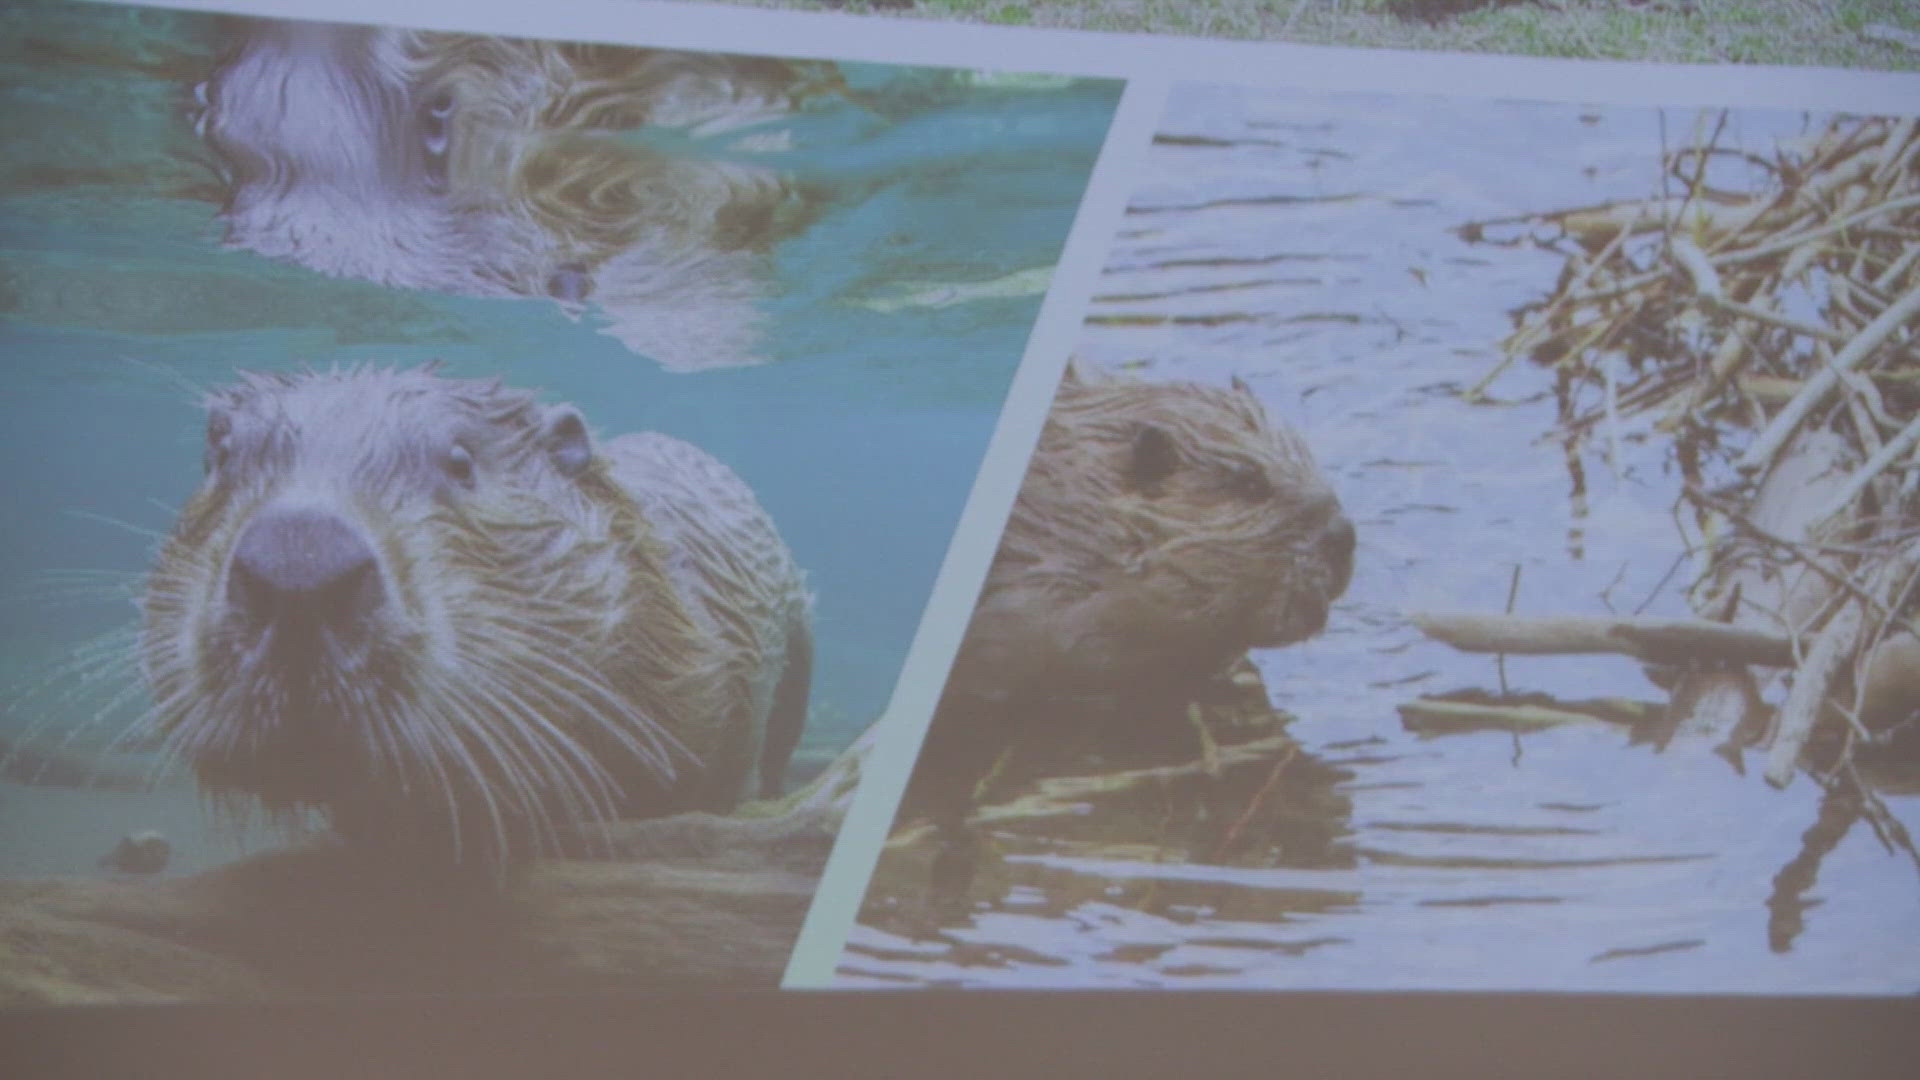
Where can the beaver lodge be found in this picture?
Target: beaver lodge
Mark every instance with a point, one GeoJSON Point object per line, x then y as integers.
{"type": "Point", "coordinates": [1769, 332]}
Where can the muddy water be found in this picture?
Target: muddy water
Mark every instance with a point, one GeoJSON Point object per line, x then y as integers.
{"type": "Point", "coordinates": [1304, 244]}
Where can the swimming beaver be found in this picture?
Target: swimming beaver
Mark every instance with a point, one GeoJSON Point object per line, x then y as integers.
{"type": "Point", "coordinates": [503, 167]}
{"type": "Point", "coordinates": [1163, 529]}
{"type": "Point", "coordinates": [436, 610]}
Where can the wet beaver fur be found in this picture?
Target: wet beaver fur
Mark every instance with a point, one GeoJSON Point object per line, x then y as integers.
{"type": "Point", "coordinates": [503, 167]}
{"type": "Point", "coordinates": [1163, 529]}
{"type": "Point", "coordinates": [439, 612]}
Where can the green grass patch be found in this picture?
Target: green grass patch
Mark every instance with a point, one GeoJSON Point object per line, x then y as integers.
{"type": "Point", "coordinates": [1837, 33]}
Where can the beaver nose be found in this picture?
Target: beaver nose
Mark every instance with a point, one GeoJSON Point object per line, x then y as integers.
{"type": "Point", "coordinates": [1333, 539]}
{"type": "Point", "coordinates": [1337, 540]}
{"type": "Point", "coordinates": [303, 566]}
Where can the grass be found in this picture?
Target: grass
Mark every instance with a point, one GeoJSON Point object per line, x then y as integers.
{"type": "Point", "coordinates": [1819, 32]}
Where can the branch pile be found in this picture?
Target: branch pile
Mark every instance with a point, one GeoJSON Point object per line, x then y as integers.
{"type": "Point", "coordinates": [1770, 331]}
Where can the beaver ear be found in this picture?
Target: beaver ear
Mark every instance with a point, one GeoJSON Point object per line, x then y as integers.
{"type": "Point", "coordinates": [1155, 457]}
{"type": "Point", "coordinates": [566, 440]}
{"type": "Point", "coordinates": [1250, 406]}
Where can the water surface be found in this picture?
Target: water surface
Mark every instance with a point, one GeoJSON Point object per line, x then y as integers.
{"type": "Point", "coordinates": [1305, 243]}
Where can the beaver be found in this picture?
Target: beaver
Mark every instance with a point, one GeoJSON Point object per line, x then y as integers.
{"type": "Point", "coordinates": [441, 613]}
{"type": "Point", "coordinates": [1162, 530]}
{"type": "Point", "coordinates": [501, 167]}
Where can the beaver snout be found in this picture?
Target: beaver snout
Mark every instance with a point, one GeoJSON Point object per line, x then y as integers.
{"type": "Point", "coordinates": [1337, 540]}
{"type": "Point", "coordinates": [298, 571]}
{"type": "Point", "coordinates": [1328, 538]}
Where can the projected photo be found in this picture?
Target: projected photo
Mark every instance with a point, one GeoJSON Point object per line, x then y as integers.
{"type": "Point", "coordinates": [1474, 548]}
{"type": "Point", "coordinates": [476, 493]}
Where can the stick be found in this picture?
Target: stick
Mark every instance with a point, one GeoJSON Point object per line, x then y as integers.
{"type": "Point", "coordinates": [1832, 648]}
{"type": "Point", "coordinates": [1769, 442]}
{"type": "Point", "coordinates": [1899, 444]}
{"type": "Point", "coordinates": [1788, 243]}
{"type": "Point", "coordinates": [1665, 641]}
{"type": "Point", "coordinates": [1812, 330]}
{"type": "Point", "coordinates": [1430, 716]}
{"type": "Point", "coordinates": [1706, 282]}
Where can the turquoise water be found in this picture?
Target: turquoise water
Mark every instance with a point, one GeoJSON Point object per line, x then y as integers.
{"type": "Point", "coordinates": [861, 433]}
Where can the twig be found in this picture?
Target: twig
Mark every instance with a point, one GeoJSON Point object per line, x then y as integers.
{"type": "Point", "coordinates": [1761, 453]}
{"type": "Point", "coordinates": [1733, 307]}
{"type": "Point", "coordinates": [1874, 466]}
{"type": "Point", "coordinates": [1513, 593]}
{"type": "Point", "coordinates": [1655, 640]}
{"type": "Point", "coordinates": [1435, 716]}
{"type": "Point", "coordinates": [1280, 764]}
{"type": "Point", "coordinates": [1800, 551]}
{"type": "Point", "coordinates": [1788, 243]}
{"type": "Point", "coordinates": [1833, 647]}
{"type": "Point", "coordinates": [1706, 281]}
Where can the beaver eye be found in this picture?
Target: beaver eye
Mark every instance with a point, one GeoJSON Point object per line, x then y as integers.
{"type": "Point", "coordinates": [1250, 482]}
{"type": "Point", "coordinates": [203, 108]}
{"type": "Point", "coordinates": [1154, 457]}
{"type": "Point", "coordinates": [459, 465]}
{"type": "Point", "coordinates": [568, 444]}
{"type": "Point", "coordinates": [435, 123]}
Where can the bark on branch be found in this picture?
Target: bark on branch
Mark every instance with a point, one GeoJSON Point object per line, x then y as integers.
{"type": "Point", "coordinates": [1665, 641]}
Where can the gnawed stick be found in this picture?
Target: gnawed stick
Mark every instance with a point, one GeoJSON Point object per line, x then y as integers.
{"type": "Point", "coordinates": [1908, 437]}
{"type": "Point", "coordinates": [1768, 443]}
{"type": "Point", "coordinates": [1439, 716]}
{"type": "Point", "coordinates": [1663, 641]}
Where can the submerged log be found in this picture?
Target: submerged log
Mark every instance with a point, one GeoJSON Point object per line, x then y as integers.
{"type": "Point", "coordinates": [1448, 715]}
{"type": "Point", "coordinates": [1661, 641]}
{"type": "Point", "coordinates": [692, 899]}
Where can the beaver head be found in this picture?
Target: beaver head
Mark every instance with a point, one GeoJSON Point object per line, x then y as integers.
{"type": "Point", "coordinates": [1163, 529]}
{"type": "Point", "coordinates": [398, 597]}
{"type": "Point", "coordinates": [501, 167]}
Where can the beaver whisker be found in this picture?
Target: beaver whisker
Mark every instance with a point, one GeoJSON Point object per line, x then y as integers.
{"type": "Point", "coordinates": [142, 531]}
{"type": "Point", "coordinates": [105, 661]}
{"type": "Point", "coordinates": [467, 734]}
{"type": "Point", "coordinates": [598, 702]}
{"type": "Point", "coordinates": [426, 740]}
{"type": "Point", "coordinates": [106, 656]}
{"type": "Point", "coordinates": [61, 585]}
{"type": "Point", "coordinates": [144, 731]}
{"type": "Point", "coordinates": [595, 788]}
{"type": "Point", "coordinates": [512, 756]}
{"type": "Point", "coordinates": [648, 753]}
{"type": "Point", "coordinates": [504, 686]}
{"type": "Point", "coordinates": [461, 755]}
{"type": "Point", "coordinates": [640, 735]}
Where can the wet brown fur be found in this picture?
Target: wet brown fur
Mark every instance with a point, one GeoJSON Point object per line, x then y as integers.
{"type": "Point", "coordinates": [553, 649]}
{"type": "Point", "coordinates": [507, 167]}
{"type": "Point", "coordinates": [1162, 530]}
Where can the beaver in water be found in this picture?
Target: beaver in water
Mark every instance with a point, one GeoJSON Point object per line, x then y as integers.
{"type": "Point", "coordinates": [504, 167]}
{"type": "Point", "coordinates": [438, 611]}
{"type": "Point", "coordinates": [1163, 530]}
